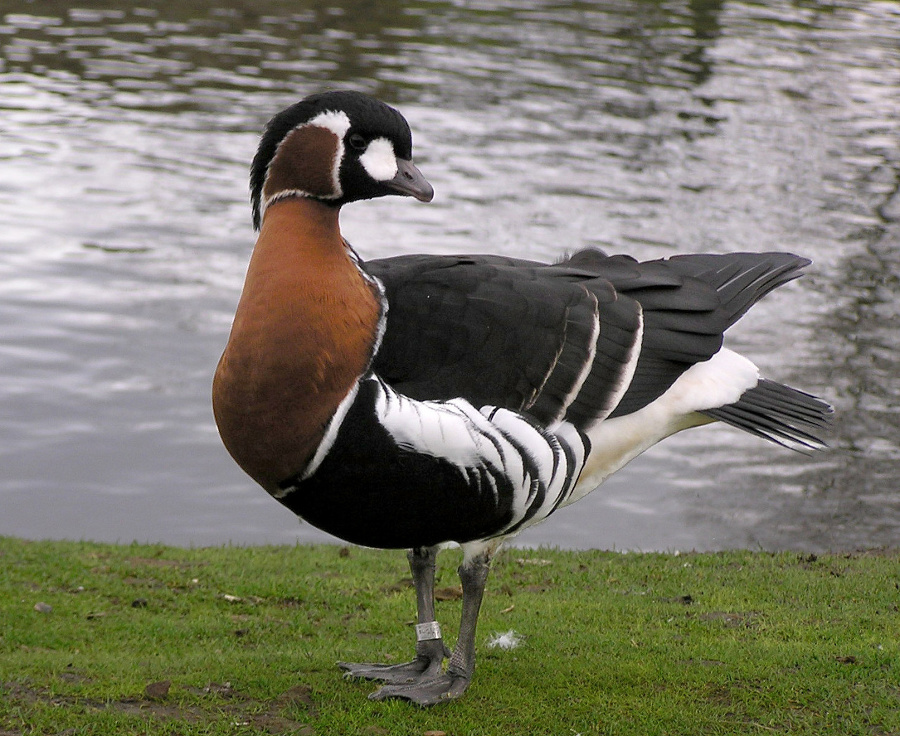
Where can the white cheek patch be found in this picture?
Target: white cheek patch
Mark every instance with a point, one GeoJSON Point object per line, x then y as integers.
{"type": "Point", "coordinates": [379, 160]}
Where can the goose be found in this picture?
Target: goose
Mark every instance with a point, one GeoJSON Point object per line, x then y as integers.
{"type": "Point", "coordinates": [421, 401]}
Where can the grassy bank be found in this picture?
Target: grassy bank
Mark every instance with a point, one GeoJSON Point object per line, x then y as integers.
{"type": "Point", "coordinates": [101, 639]}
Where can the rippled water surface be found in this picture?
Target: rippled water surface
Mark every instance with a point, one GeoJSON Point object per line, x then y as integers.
{"type": "Point", "coordinates": [652, 128]}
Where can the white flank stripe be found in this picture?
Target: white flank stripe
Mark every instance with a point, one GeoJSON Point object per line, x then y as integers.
{"type": "Point", "coordinates": [379, 160]}
{"type": "Point", "coordinates": [439, 429]}
{"type": "Point", "coordinates": [534, 443]}
{"type": "Point", "coordinates": [485, 446]}
{"type": "Point", "coordinates": [538, 450]}
{"type": "Point", "coordinates": [488, 443]}
{"type": "Point", "coordinates": [566, 476]}
{"type": "Point", "coordinates": [508, 457]}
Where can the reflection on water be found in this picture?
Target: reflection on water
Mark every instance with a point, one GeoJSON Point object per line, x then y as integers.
{"type": "Point", "coordinates": [653, 128]}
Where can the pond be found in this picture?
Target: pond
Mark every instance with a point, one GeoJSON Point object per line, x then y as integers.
{"type": "Point", "coordinates": [651, 128]}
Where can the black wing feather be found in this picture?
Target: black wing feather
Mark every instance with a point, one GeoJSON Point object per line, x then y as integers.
{"type": "Point", "coordinates": [502, 331]}
{"type": "Point", "coordinates": [689, 302]}
{"type": "Point", "coordinates": [519, 334]}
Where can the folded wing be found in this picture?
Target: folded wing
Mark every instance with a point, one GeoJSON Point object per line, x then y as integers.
{"type": "Point", "coordinates": [590, 337]}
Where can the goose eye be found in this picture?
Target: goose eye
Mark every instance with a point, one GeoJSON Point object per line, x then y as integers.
{"type": "Point", "coordinates": [356, 141]}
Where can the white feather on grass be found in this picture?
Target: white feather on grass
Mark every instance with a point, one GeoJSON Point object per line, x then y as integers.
{"type": "Point", "coordinates": [505, 641]}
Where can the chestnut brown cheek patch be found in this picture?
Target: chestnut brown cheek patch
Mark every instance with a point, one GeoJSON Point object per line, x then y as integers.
{"type": "Point", "coordinates": [306, 162]}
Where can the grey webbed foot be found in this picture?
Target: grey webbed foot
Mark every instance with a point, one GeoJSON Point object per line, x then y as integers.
{"type": "Point", "coordinates": [425, 692]}
{"type": "Point", "coordinates": [428, 664]}
{"type": "Point", "coordinates": [394, 674]}
{"type": "Point", "coordinates": [423, 680]}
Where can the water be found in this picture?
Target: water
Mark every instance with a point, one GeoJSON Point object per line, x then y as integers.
{"type": "Point", "coordinates": [646, 127]}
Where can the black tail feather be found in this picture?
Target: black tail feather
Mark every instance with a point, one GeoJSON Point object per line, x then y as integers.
{"type": "Point", "coordinates": [778, 413]}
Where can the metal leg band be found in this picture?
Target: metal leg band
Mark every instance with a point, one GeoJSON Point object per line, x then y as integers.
{"type": "Point", "coordinates": [427, 631]}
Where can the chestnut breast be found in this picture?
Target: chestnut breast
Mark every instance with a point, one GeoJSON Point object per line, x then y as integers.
{"type": "Point", "coordinates": [304, 332]}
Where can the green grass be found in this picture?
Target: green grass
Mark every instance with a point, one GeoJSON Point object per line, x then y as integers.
{"type": "Point", "coordinates": [247, 638]}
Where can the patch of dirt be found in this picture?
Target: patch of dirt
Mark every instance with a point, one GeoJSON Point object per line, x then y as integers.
{"type": "Point", "coordinates": [290, 602]}
{"type": "Point", "coordinates": [74, 676]}
{"type": "Point", "coordinates": [156, 562]}
{"type": "Point", "coordinates": [158, 690]}
{"type": "Point", "coordinates": [532, 561]}
{"type": "Point", "coordinates": [451, 593]}
{"type": "Point", "coordinates": [732, 620]}
{"type": "Point", "coordinates": [398, 587]}
{"type": "Point", "coordinates": [848, 659]}
{"type": "Point", "coordinates": [702, 662]}
{"type": "Point", "coordinates": [685, 600]}
{"type": "Point", "coordinates": [142, 582]}
{"type": "Point", "coordinates": [160, 701]}
{"type": "Point", "coordinates": [299, 695]}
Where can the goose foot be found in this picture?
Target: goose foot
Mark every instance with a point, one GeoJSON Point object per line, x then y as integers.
{"type": "Point", "coordinates": [427, 691]}
{"type": "Point", "coordinates": [427, 665]}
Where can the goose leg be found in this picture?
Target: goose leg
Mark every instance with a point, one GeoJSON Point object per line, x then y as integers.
{"type": "Point", "coordinates": [451, 684]}
{"type": "Point", "coordinates": [430, 649]}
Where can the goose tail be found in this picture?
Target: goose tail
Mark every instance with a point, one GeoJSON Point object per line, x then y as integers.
{"type": "Point", "coordinates": [779, 413]}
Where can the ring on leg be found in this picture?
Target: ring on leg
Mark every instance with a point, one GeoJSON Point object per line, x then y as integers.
{"type": "Point", "coordinates": [430, 656]}
{"type": "Point", "coordinates": [428, 631]}
{"type": "Point", "coordinates": [444, 686]}
{"type": "Point", "coordinates": [430, 649]}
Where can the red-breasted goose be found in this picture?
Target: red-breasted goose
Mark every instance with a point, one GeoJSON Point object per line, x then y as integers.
{"type": "Point", "coordinates": [417, 401]}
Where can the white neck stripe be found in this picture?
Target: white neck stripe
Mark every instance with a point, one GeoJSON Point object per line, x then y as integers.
{"type": "Point", "coordinates": [335, 121]}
